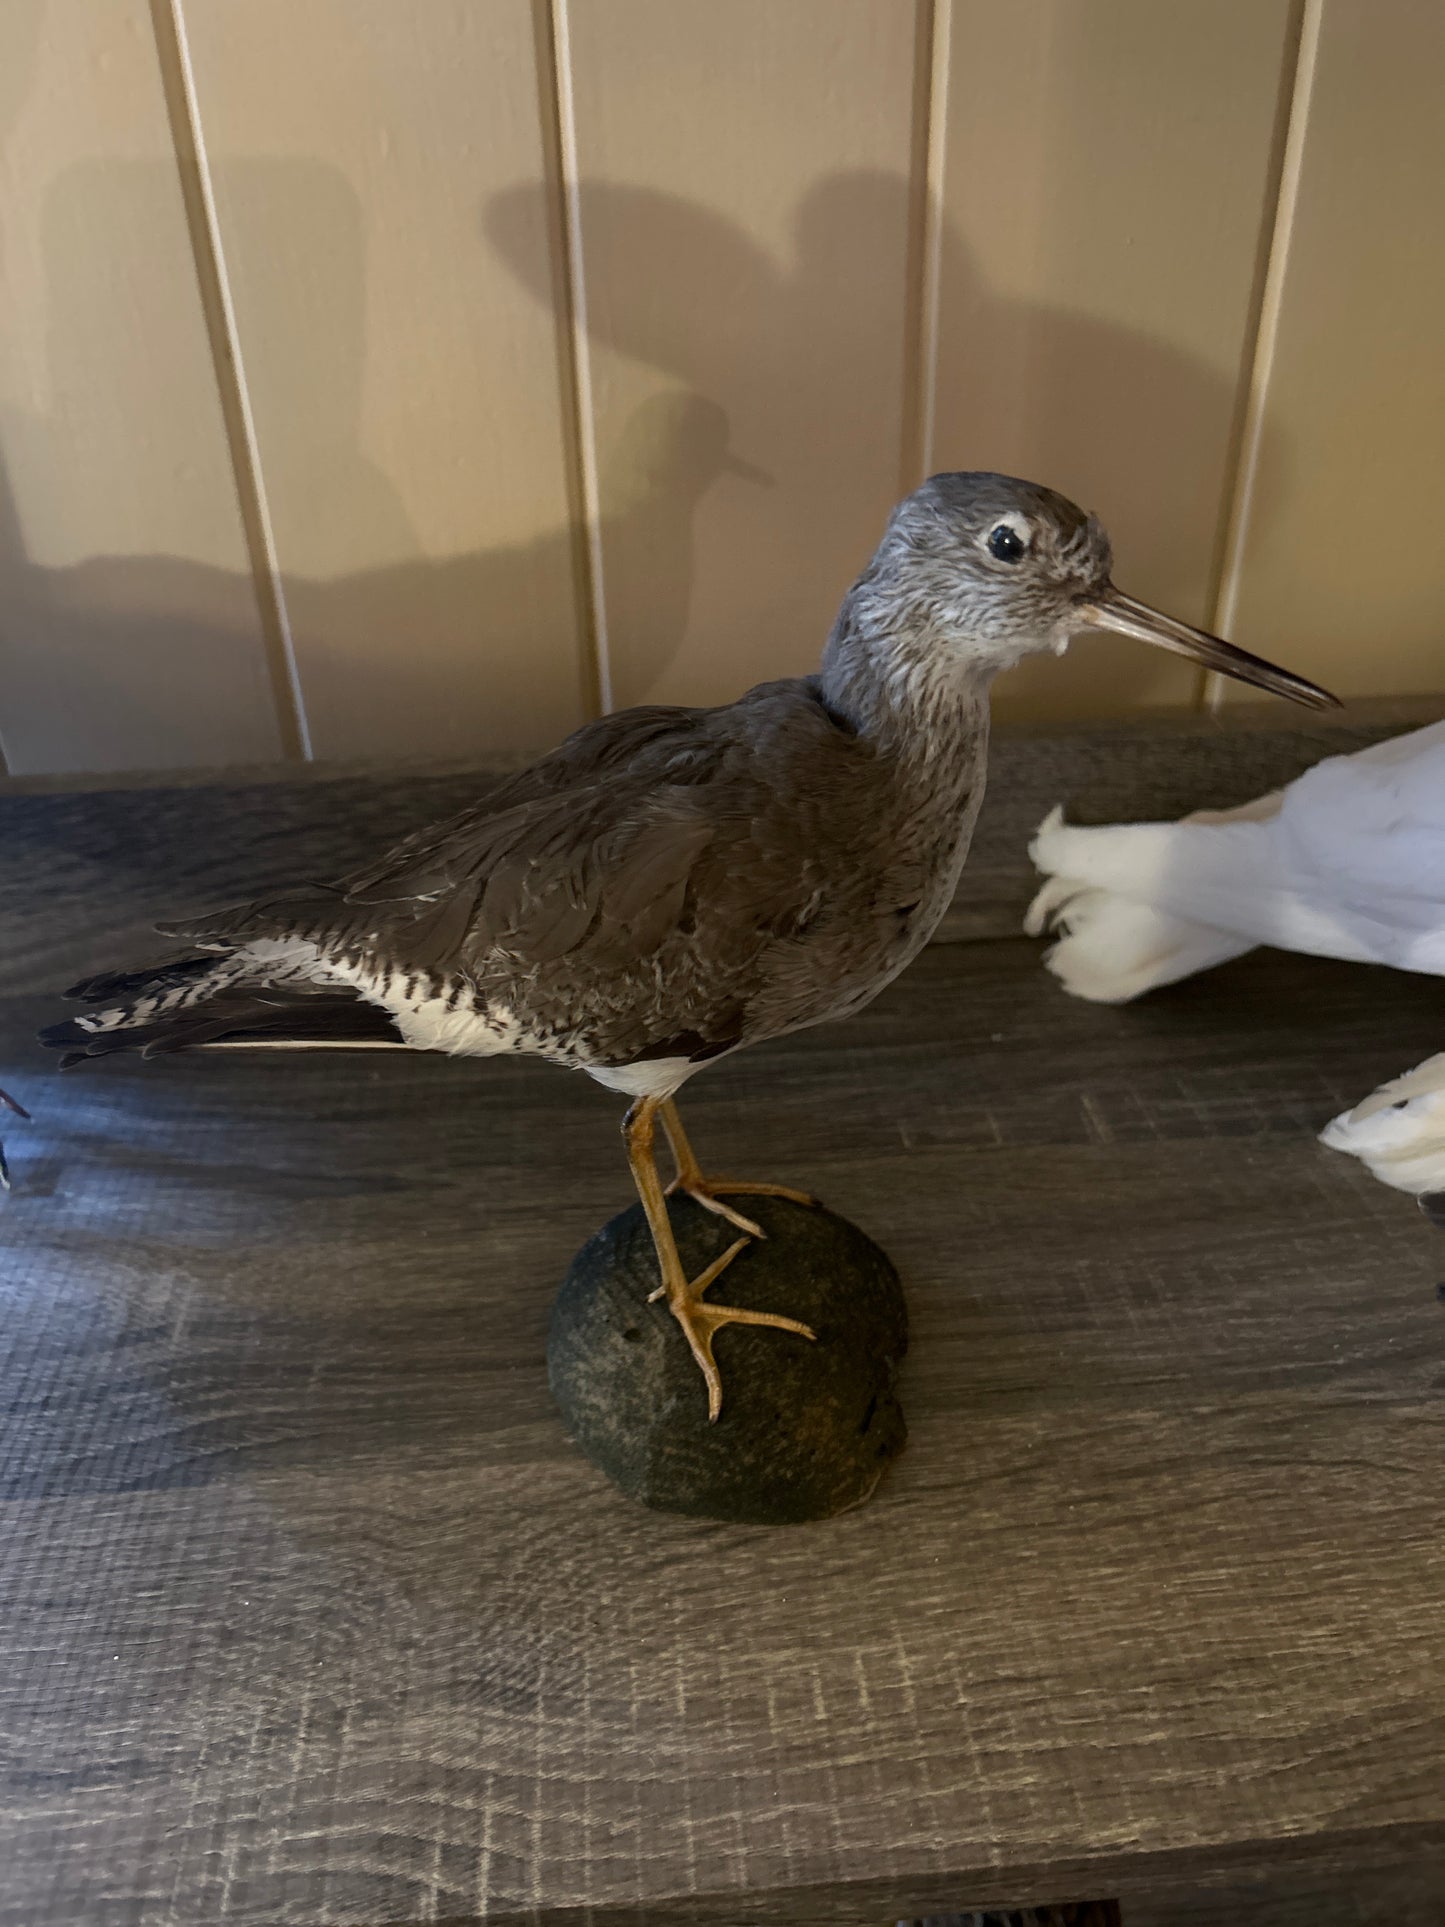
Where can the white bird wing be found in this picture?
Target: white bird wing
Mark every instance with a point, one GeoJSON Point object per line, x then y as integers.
{"type": "Point", "coordinates": [1114, 946]}
{"type": "Point", "coordinates": [1362, 844]}
{"type": "Point", "coordinates": [1398, 1131]}
{"type": "Point", "coordinates": [1348, 861]}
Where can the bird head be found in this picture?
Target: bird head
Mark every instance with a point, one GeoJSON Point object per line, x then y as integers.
{"type": "Point", "coordinates": [1012, 569]}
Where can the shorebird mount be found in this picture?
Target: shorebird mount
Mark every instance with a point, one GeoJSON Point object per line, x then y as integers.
{"type": "Point", "coordinates": [674, 884]}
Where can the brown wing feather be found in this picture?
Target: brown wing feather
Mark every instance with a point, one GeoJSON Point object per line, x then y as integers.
{"type": "Point", "coordinates": [526, 869]}
{"type": "Point", "coordinates": [628, 742]}
{"type": "Point", "coordinates": [654, 829]}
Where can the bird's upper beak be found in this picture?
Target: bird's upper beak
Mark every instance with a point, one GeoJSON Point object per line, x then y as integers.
{"type": "Point", "coordinates": [1110, 608]}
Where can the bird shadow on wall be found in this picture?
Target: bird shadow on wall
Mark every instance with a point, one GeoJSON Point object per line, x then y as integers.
{"type": "Point", "coordinates": [419, 654]}
{"type": "Point", "coordinates": [412, 653]}
{"type": "Point", "coordinates": [1131, 425]}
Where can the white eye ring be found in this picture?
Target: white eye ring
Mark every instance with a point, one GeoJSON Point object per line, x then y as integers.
{"type": "Point", "coordinates": [1008, 539]}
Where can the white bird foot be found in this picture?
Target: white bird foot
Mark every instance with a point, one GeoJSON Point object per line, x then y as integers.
{"type": "Point", "coordinates": [1398, 1131]}
{"type": "Point", "coordinates": [1111, 949]}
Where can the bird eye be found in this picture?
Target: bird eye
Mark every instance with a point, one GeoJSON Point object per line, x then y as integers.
{"type": "Point", "coordinates": [1006, 543]}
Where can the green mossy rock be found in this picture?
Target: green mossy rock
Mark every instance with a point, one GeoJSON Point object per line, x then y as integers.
{"type": "Point", "coordinates": [807, 1429]}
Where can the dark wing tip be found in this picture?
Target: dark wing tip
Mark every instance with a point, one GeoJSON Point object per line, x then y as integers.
{"type": "Point", "coordinates": [78, 1045]}
{"type": "Point", "coordinates": [56, 1036]}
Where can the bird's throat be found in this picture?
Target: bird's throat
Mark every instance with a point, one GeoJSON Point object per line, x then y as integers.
{"type": "Point", "coordinates": [914, 693]}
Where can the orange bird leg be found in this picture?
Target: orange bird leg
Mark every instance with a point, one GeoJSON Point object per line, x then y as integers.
{"type": "Point", "coordinates": [691, 1181]}
{"type": "Point", "coordinates": [698, 1319]}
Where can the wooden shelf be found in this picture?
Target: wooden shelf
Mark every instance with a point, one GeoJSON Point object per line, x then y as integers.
{"type": "Point", "coordinates": [312, 1614]}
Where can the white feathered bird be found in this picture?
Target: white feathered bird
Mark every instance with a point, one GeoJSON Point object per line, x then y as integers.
{"type": "Point", "coordinates": [1348, 861]}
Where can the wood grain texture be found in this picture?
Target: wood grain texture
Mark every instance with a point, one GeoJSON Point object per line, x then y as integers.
{"type": "Point", "coordinates": [129, 634]}
{"type": "Point", "coordinates": [313, 1616]}
{"type": "Point", "coordinates": [405, 383]}
{"type": "Point", "coordinates": [1107, 181]}
{"type": "Point", "coordinates": [134, 856]}
{"type": "Point", "coordinates": [1103, 1913]}
{"type": "Point", "coordinates": [744, 196]}
{"type": "Point", "coordinates": [1341, 566]}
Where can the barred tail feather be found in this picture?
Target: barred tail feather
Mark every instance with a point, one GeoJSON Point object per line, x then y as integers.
{"type": "Point", "coordinates": [178, 974]}
{"type": "Point", "coordinates": [194, 1003]}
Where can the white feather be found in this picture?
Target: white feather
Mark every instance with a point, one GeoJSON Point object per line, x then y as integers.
{"type": "Point", "coordinates": [465, 1029]}
{"type": "Point", "coordinates": [1348, 861]}
{"type": "Point", "coordinates": [1399, 1130]}
{"type": "Point", "coordinates": [304, 1043]}
{"type": "Point", "coordinates": [1114, 949]}
{"type": "Point", "coordinates": [658, 1077]}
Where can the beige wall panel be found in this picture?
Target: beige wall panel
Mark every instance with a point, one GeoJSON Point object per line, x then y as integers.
{"type": "Point", "coordinates": [129, 635]}
{"type": "Point", "coordinates": [405, 383]}
{"type": "Point", "coordinates": [1343, 563]}
{"type": "Point", "coordinates": [743, 188]}
{"type": "Point", "coordinates": [1107, 183]}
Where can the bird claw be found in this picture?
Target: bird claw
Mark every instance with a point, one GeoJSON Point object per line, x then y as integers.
{"type": "Point", "coordinates": [707, 1192]}
{"type": "Point", "coordinates": [701, 1321]}
{"type": "Point", "coordinates": [1050, 904]}
{"type": "Point", "coordinates": [710, 1202]}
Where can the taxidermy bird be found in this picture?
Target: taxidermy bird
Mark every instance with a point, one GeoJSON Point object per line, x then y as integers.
{"type": "Point", "coordinates": [1348, 861]}
{"type": "Point", "coordinates": [673, 884]}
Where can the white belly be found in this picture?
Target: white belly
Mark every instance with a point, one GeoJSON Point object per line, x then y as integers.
{"type": "Point", "coordinates": [658, 1077]}
{"type": "Point", "coordinates": [425, 1022]}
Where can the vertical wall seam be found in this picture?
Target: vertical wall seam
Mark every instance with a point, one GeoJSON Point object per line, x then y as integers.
{"type": "Point", "coordinates": [574, 382]}
{"type": "Point", "coordinates": [208, 253]}
{"type": "Point", "coordinates": [933, 20]}
{"type": "Point", "coordinates": [580, 398]}
{"type": "Point", "coordinates": [1266, 334]}
{"type": "Point", "coordinates": [936, 156]}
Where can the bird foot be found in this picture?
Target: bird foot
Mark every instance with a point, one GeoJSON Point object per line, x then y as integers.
{"type": "Point", "coordinates": [705, 1191]}
{"type": "Point", "coordinates": [700, 1321]}
{"type": "Point", "coordinates": [1398, 1131]}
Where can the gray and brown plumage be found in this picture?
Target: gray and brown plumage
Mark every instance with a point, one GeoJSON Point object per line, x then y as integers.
{"type": "Point", "coordinates": [672, 884]}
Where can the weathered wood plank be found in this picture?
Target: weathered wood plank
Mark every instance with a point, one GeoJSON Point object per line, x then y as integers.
{"type": "Point", "coordinates": [311, 1614]}
{"type": "Point", "coordinates": [131, 854]}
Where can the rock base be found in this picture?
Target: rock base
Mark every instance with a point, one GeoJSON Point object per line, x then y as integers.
{"type": "Point", "coordinates": [807, 1428]}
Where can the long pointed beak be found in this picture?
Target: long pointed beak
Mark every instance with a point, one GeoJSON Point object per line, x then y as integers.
{"type": "Point", "coordinates": [1112, 609]}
